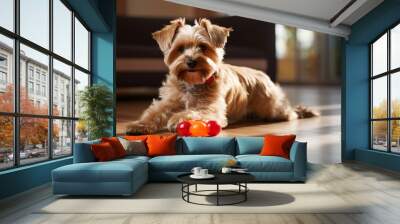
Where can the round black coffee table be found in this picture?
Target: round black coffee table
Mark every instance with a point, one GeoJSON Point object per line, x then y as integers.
{"type": "Point", "coordinates": [238, 179]}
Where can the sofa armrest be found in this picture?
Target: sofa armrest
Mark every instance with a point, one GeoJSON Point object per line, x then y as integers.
{"type": "Point", "coordinates": [83, 152]}
{"type": "Point", "coordinates": [298, 155]}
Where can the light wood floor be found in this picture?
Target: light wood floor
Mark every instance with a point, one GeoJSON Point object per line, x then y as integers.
{"type": "Point", "coordinates": [322, 133]}
{"type": "Point", "coordinates": [379, 190]}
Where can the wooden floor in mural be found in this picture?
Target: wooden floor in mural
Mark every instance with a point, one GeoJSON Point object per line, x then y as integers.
{"type": "Point", "coordinates": [322, 133]}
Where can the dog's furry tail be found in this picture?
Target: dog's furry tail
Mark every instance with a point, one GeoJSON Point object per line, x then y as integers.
{"type": "Point", "coordinates": [305, 112]}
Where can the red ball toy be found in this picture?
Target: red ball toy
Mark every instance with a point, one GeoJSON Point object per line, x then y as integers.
{"type": "Point", "coordinates": [183, 128]}
{"type": "Point", "coordinates": [213, 128]}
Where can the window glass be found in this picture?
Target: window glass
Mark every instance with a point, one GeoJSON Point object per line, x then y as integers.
{"type": "Point", "coordinates": [81, 82]}
{"type": "Point", "coordinates": [81, 131]}
{"type": "Point", "coordinates": [34, 21]}
{"type": "Point", "coordinates": [33, 140]}
{"type": "Point", "coordinates": [395, 47]}
{"type": "Point", "coordinates": [62, 29]}
{"type": "Point", "coordinates": [379, 97]}
{"type": "Point", "coordinates": [81, 45]}
{"type": "Point", "coordinates": [379, 135]}
{"type": "Point", "coordinates": [6, 74]}
{"type": "Point", "coordinates": [6, 142]}
{"type": "Point", "coordinates": [39, 62]}
{"type": "Point", "coordinates": [7, 14]}
{"type": "Point", "coordinates": [395, 136]}
{"type": "Point", "coordinates": [62, 91]}
{"type": "Point", "coordinates": [62, 137]}
{"type": "Point", "coordinates": [379, 56]}
{"type": "Point", "coordinates": [395, 95]}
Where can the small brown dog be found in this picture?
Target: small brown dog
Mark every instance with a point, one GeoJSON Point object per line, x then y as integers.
{"type": "Point", "coordinates": [200, 86]}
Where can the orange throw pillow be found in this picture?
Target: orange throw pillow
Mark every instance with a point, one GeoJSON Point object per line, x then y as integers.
{"type": "Point", "coordinates": [161, 145]}
{"type": "Point", "coordinates": [116, 145]}
{"type": "Point", "coordinates": [275, 145]}
{"type": "Point", "coordinates": [103, 152]}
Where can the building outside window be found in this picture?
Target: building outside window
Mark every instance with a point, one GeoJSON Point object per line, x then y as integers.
{"type": "Point", "coordinates": [30, 72]}
{"type": "Point", "coordinates": [3, 78]}
{"type": "Point", "coordinates": [44, 77]}
{"type": "Point", "coordinates": [55, 97]}
{"type": "Point", "coordinates": [30, 87]}
{"type": "Point", "coordinates": [38, 89]}
{"type": "Point", "coordinates": [3, 72]}
{"type": "Point", "coordinates": [37, 75]}
{"type": "Point", "coordinates": [3, 60]}
{"type": "Point", "coordinates": [385, 91]}
{"type": "Point", "coordinates": [43, 90]}
{"type": "Point", "coordinates": [36, 94]}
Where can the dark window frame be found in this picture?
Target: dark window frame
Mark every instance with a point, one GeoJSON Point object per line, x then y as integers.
{"type": "Point", "coordinates": [388, 74]}
{"type": "Point", "coordinates": [16, 114]}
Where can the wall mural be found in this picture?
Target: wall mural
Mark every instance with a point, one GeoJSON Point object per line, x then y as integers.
{"type": "Point", "coordinates": [200, 86]}
{"type": "Point", "coordinates": [202, 73]}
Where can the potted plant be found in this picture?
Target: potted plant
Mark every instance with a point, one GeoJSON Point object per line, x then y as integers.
{"type": "Point", "coordinates": [96, 104]}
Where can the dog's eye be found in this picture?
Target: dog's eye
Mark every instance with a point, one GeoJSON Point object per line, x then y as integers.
{"type": "Point", "coordinates": [181, 49]}
{"type": "Point", "coordinates": [203, 47]}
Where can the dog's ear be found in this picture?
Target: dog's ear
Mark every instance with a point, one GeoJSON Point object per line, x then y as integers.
{"type": "Point", "coordinates": [218, 34]}
{"type": "Point", "coordinates": [166, 35]}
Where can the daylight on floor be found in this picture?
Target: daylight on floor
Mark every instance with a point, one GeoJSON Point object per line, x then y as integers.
{"type": "Point", "coordinates": [211, 111]}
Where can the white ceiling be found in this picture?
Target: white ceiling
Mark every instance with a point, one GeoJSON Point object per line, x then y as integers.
{"type": "Point", "coordinates": [321, 9]}
{"type": "Point", "coordinates": [324, 16]}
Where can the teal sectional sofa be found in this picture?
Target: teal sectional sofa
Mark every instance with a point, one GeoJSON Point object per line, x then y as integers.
{"type": "Point", "coordinates": [125, 176]}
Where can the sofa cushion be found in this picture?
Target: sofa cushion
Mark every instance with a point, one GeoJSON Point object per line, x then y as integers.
{"type": "Point", "coordinates": [83, 152]}
{"type": "Point", "coordinates": [134, 147]}
{"type": "Point", "coordinates": [116, 145]}
{"type": "Point", "coordinates": [160, 145]}
{"type": "Point", "coordinates": [112, 171]}
{"type": "Point", "coordinates": [277, 145]}
{"type": "Point", "coordinates": [185, 163]}
{"type": "Point", "coordinates": [249, 145]}
{"type": "Point", "coordinates": [133, 158]}
{"type": "Point", "coordinates": [103, 152]}
{"type": "Point", "coordinates": [257, 163]}
{"type": "Point", "coordinates": [206, 145]}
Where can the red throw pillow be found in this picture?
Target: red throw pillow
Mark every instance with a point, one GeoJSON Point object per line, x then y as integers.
{"type": "Point", "coordinates": [275, 145]}
{"type": "Point", "coordinates": [116, 145]}
{"type": "Point", "coordinates": [160, 145]}
{"type": "Point", "coordinates": [135, 137]}
{"type": "Point", "coordinates": [103, 152]}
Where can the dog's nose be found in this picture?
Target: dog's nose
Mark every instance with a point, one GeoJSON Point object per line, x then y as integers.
{"type": "Point", "coordinates": [191, 63]}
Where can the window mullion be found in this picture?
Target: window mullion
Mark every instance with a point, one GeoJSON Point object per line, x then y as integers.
{"type": "Point", "coordinates": [371, 143]}
{"type": "Point", "coordinates": [16, 85]}
{"type": "Point", "coordinates": [389, 101]}
{"type": "Point", "coordinates": [73, 83]}
{"type": "Point", "coordinates": [50, 81]}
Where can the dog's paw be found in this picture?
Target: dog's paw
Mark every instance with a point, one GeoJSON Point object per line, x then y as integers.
{"type": "Point", "coordinates": [173, 122]}
{"type": "Point", "coordinates": [137, 128]}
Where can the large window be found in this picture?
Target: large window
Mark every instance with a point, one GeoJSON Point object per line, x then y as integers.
{"type": "Point", "coordinates": [44, 64]}
{"type": "Point", "coordinates": [385, 91]}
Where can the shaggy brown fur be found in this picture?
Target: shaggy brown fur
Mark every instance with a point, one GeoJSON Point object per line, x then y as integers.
{"type": "Point", "coordinates": [200, 86]}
